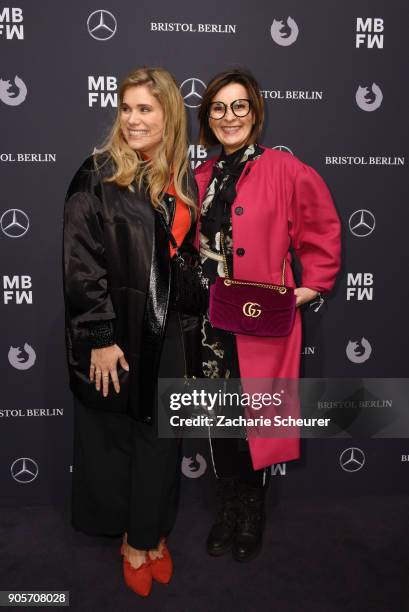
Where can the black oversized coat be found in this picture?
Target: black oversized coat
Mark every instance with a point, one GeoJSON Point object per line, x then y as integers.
{"type": "Point", "coordinates": [116, 268]}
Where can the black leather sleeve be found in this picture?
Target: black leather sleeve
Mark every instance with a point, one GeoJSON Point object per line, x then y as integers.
{"type": "Point", "coordinates": [85, 275]}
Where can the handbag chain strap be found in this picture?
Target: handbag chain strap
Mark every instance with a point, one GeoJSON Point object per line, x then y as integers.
{"type": "Point", "coordinates": [230, 281]}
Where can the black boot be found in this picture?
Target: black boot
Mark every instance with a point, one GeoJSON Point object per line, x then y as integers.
{"type": "Point", "coordinates": [250, 523]}
{"type": "Point", "coordinates": [221, 535]}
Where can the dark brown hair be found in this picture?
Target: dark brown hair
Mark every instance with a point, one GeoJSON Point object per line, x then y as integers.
{"type": "Point", "coordinates": [245, 78]}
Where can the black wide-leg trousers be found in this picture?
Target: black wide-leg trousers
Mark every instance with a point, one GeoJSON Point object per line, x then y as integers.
{"type": "Point", "coordinates": [125, 478]}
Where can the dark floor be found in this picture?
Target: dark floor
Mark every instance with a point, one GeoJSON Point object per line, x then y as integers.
{"type": "Point", "coordinates": [319, 555]}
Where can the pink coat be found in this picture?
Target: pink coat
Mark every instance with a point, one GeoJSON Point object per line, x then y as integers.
{"type": "Point", "coordinates": [285, 203]}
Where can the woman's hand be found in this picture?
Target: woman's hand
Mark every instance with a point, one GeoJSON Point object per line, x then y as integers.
{"type": "Point", "coordinates": [103, 365]}
{"type": "Point", "coordinates": [304, 295]}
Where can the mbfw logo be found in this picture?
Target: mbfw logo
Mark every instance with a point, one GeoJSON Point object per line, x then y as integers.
{"type": "Point", "coordinates": [11, 23]}
{"type": "Point", "coordinates": [197, 155]}
{"type": "Point", "coordinates": [368, 32]}
{"type": "Point", "coordinates": [283, 148]}
{"type": "Point", "coordinates": [192, 92]}
{"type": "Point", "coordinates": [361, 223]}
{"type": "Point", "coordinates": [14, 223]}
{"type": "Point", "coordinates": [24, 470]}
{"type": "Point", "coordinates": [358, 351]}
{"type": "Point", "coordinates": [194, 468]}
{"type": "Point", "coordinates": [102, 90]}
{"type": "Point", "coordinates": [291, 94]}
{"type": "Point", "coordinates": [284, 34]}
{"type": "Point", "coordinates": [101, 25]}
{"type": "Point", "coordinates": [279, 469]}
{"type": "Point", "coordinates": [369, 99]}
{"type": "Point", "coordinates": [18, 92]}
{"type": "Point", "coordinates": [208, 28]}
{"type": "Point", "coordinates": [17, 289]}
{"type": "Point", "coordinates": [22, 358]}
{"type": "Point", "coordinates": [352, 459]}
{"type": "Point", "coordinates": [360, 286]}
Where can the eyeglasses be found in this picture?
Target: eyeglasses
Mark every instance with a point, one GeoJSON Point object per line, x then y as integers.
{"type": "Point", "coordinates": [240, 108]}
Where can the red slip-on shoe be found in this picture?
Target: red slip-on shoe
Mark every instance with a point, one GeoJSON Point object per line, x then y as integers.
{"type": "Point", "coordinates": [139, 580]}
{"type": "Point", "coordinates": [162, 569]}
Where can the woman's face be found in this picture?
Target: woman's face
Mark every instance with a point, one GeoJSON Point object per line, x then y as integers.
{"type": "Point", "coordinates": [142, 120]}
{"type": "Point", "coordinates": [231, 131]}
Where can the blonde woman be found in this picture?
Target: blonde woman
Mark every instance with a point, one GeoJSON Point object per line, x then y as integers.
{"type": "Point", "coordinates": [122, 333]}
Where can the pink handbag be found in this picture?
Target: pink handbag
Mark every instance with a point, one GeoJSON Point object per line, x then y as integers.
{"type": "Point", "coordinates": [249, 307]}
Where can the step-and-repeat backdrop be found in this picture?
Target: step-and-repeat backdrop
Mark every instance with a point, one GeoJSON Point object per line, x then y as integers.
{"type": "Point", "coordinates": [333, 79]}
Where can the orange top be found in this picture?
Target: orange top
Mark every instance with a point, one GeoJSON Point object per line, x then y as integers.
{"type": "Point", "coordinates": [181, 221]}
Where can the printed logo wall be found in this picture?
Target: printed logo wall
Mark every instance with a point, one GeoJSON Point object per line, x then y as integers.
{"type": "Point", "coordinates": [12, 23]}
{"type": "Point", "coordinates": [349, 129]}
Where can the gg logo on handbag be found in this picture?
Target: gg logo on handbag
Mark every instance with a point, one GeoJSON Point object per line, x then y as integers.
{"type": "Point", "coordinates": [252, 309]}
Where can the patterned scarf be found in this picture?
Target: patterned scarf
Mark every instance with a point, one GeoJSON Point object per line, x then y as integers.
{"type": "Point", "coordinates": [219, 353]}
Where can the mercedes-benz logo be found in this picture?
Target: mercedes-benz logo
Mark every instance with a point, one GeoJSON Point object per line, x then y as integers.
{"type": "Point", "coordinates": [24, 470]}
{"type": "Point", "coordinates": [362, 223]}
{"type": "Point", "coordinates": [14, 223]}
{"type": "Point", "coordinates": [352, 459]}
{"type": "Point", "coordinates": [192, 92]}
{"type": "Point", "coordinates": [283, 148]}
{"type": "Point", "coordinates": [101, 25]}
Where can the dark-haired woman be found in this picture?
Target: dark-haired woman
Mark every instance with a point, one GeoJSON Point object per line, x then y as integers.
{"type": "Point", "coordinates": [261, 202]}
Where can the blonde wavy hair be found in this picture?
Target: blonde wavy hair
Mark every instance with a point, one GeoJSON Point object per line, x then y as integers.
{"type": "Point", "coordinates": [171, 159]}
